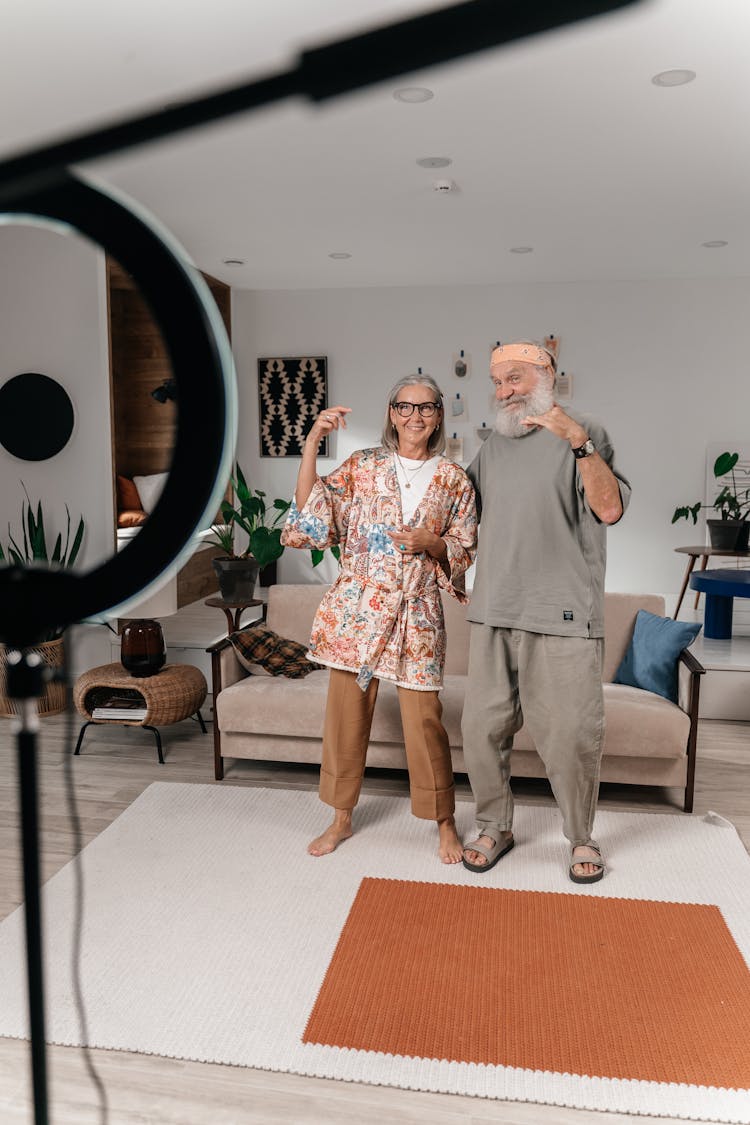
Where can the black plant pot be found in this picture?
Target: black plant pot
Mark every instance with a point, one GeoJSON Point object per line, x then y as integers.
{"type": "Point", "coordinates": [237, 578]}
{"type": "Point", "coordinates": [267, 576]}
{"type": "Point", "coordinates": [726, 535]}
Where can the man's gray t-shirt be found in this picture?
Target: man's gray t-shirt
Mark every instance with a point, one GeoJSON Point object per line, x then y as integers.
{"type": "Point", "coordinates": [542, 551]}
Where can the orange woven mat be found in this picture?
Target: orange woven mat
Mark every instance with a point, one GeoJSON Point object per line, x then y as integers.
{"type": "Point", "coordinates": [618, 988]}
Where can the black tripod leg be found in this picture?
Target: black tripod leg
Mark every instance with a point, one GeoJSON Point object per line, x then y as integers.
{"type": "Point", "coordinates": [158, 741]}
{"type": "Point", "coordinates": [199, 717]}
{"type": "Point", "coordinates": [80, 737]}
{"type": "Point", "coordinates": [30, 837]}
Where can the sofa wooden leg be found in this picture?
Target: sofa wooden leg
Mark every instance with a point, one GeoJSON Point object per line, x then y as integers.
{"type": "Point", "coordinates": [218, 759]}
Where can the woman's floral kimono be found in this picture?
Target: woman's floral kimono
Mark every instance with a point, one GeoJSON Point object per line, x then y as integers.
{"type": "Point", "coordinates": [383, 615]}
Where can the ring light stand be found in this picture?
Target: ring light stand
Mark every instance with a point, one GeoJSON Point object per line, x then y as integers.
{"type": "Point", "coordinates": [33, 600]}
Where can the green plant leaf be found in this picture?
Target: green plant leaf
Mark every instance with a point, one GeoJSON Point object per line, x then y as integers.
{"type": "Point", "coordinates": [318, 556]}
{"type": "Point", "coordinates": [239, 484]}
{"type": "Point", "coordinates": [724, 463]}
{"type": "Point", "coordinates": [20, 557]}
{"type": "Point", "coordinates": [58, 549]}
{"type": "Point", "coordinates": [76, 544]}
{"type": "Point", "coordinates": [685, 513]}
{"type": "Point", "coordinates": [265, 545]}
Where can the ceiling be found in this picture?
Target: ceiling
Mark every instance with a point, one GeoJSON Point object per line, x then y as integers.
{"type": "Point", "coordinates": [560, 142]}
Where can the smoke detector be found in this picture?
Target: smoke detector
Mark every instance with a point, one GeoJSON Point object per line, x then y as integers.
{"type": "Point", "coordinates": [443, 186]}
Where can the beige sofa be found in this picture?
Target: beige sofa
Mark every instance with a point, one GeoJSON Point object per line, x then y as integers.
{"type": "Point", "coordinates": [648, 741]}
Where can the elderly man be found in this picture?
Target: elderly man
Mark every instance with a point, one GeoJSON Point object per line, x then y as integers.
{"type": "Point", "coordinates": [546, 490]}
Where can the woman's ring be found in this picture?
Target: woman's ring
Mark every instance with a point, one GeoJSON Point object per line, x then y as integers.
{"type": "Point", "coordinates": [403, 546]}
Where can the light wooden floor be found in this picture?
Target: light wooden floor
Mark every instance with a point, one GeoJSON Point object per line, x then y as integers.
{"type": "Point", "coordinates": [115, 766]}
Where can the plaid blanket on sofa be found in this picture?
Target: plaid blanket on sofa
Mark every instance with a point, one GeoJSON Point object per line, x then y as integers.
{"type": "Point", "coordinates": [260, 650]}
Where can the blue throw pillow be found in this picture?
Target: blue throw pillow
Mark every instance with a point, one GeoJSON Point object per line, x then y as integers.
{"type": "Point", "coordinates": [651, 659]}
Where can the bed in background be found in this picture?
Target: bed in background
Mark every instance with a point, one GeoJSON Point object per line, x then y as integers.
{"type": "Point", "coordinates": [196, 580]}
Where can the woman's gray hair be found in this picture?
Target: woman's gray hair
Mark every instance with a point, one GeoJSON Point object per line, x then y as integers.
{"type": "Point", "coordinates": [436, 443]}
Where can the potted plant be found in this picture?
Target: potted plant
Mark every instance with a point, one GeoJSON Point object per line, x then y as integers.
{"type": "Point", "coordinates": [238, 569]}
{"type": "Point", "coordinates": [27, 549]}
{"type": "Point", "coordinates": [731, 531]}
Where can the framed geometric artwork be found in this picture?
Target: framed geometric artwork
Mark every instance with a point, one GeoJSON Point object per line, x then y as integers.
{"type": "Point", "coordinates": [291, 392]}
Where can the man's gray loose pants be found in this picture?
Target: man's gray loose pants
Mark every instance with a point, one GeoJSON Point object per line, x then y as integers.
{"type": "Point", "coordinates": [552, 685]}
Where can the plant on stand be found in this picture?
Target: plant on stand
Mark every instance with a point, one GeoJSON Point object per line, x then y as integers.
{"type": "Point", "coordinates": [29, 548]}
{"type": "Point", "coordinates": [238, 570]}
{"type": "Point", "coordinates": [731, 530]}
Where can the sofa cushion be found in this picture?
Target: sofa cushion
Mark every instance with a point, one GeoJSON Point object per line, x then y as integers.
{"type": "Point", "coordinates": [150, 488]}
{"type": "Point", "coordinates": [651, 658]}
{"type": "Point", "coordinates": [386, 720]}
{"type": "Point", "coordinates": [128, 498]}
{"type": "Point", "coordinates": [274, 705]}
{"type": "Point", "coordinates": [619, 620]}
{"type": "Point", "coordinates": [637, 724]}
{"type": "Point", "coordinates": [263, 651]}
{"type": "Point", "coordinates": [262, 705]}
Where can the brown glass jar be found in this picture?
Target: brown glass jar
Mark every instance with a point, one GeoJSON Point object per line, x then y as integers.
{"type": "Point", "coordinates": [142, 648]}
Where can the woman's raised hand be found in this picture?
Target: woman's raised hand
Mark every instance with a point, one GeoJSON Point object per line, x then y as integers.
{"type": "Point", "coordinates": [329, 420]}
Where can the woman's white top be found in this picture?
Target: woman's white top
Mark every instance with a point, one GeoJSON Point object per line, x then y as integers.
{"type": "Point", "coordinates": [413, 480]}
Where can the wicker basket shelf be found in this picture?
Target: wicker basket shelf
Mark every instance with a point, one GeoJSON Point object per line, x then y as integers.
{"type": "Point", "coordinates": [171, 695]}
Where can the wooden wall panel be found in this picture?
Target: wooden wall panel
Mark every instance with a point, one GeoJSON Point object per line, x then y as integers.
{"type": "Point", "coordinates": [197, 579]}
{"type": "Point", "coordinates": [143, 429]}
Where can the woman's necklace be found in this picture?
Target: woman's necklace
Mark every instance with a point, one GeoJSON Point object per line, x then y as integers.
{"type": "Point", "coordinates": [407, 477]}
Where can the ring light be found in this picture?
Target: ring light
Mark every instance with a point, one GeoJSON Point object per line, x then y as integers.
{"type": "Point", "coordinates": [33, 599]}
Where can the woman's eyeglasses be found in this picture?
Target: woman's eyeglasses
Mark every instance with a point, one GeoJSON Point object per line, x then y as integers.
{"type": "Point", "coordinates": [406, 409]}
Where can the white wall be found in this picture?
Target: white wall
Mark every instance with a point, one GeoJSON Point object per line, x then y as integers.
{"type": "Point", "coordinates": [53, 321]}
{"type": "Point", "coordinates": [662, 364]}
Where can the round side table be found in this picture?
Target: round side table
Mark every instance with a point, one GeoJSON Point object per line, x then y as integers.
{"type": "Point", "coordinates": [174, 693]}
{"type": "Point", "coordinates": [233, 610]}
{"type": "Point", "coordinates": [703, 553]}
{"type": "Point", "coordinates": [721, 587]}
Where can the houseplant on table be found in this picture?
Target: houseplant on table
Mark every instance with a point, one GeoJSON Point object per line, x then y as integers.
{"type": "Point", "coordinates": [29, 549]}
{"type": "Point", "coordinates": [731, 530]}
{"type": "Point", "coordinates": [250, 515]}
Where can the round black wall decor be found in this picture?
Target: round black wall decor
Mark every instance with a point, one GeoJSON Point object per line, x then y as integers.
{"type": "Point", "coordinates": [36, 416]}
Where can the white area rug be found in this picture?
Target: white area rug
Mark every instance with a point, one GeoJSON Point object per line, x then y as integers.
{"type": "Point", "coordinates": [209, 930]}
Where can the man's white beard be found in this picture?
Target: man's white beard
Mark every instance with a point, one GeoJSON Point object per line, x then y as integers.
{"type": "Point", "coordinates": [508, 422]}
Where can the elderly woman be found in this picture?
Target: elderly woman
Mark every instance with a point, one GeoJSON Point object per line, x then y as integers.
{"type": "Point", "coordinates": [405, 519]}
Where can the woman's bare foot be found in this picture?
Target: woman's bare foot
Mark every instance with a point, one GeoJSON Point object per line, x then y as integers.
{"type": "Point", "coordinates": [340, 830]}
{"type": "Point", "coordinates": [477, 858]}
{"type": "Point", "coordinates": [450, 850]}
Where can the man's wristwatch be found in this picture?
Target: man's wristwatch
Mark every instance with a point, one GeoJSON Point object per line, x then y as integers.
{"type": "Point", "coordinates": [584, 450]}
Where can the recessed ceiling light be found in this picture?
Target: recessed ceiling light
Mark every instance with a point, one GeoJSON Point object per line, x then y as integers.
{"type": "Point", "coordinates": [413, 94]}
{"type": "Point", "coordinates": [234, 261]}
{"type": "Point", "coordinates": [339, 255]}
{"type": "Point", "coordinates": [673, 78]}
{"type": "Point", "coordinates": [522, 249]}
{"type": "Point", "coordinates": [714, 244]}
{"type": "Point", "coordinates": [434, 161]}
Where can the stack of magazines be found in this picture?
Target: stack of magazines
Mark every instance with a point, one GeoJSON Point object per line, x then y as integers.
{"type": "Point", "coordinates": [121, 707]}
